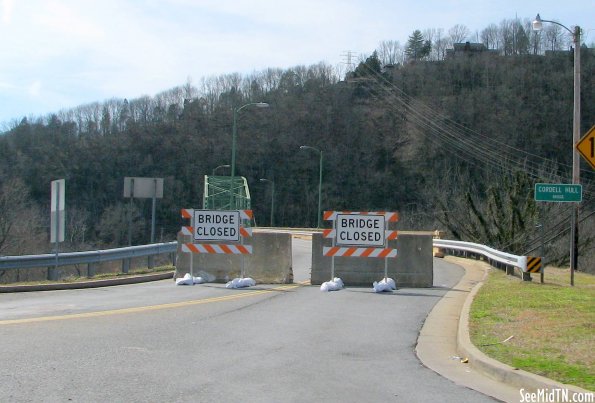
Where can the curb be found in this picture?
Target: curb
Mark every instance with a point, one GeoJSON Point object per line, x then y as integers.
{"type": "Point", "coordinates": [493, 368]}
{"type": "Point", "coordinates": [87, 284]}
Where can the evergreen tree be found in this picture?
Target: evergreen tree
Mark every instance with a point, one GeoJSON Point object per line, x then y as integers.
{"type": "Point", "coordinates": [417, 47]}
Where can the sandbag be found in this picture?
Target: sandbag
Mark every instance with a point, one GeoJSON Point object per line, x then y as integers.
{"type": "Point", "coordinates": [189, 280]}
{"type": "Point", "coordinates": [334, 285]}
{"type": "Point", "coordinates": [240, 283]}
{"type": "Point", "coordinates": [384, 285]}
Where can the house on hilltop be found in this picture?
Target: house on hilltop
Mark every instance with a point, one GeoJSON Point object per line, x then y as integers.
{"type": "Point", "coordinates": [468, 49]}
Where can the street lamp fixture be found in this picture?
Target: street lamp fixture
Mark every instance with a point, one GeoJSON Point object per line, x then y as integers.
{"type": "Point", "coordinates": [319, 182]}
{"type": "Point", "coordinates": [576, 130]}
{"type": "Point", "coordinates": [233, 147]}
{"type": "Point", "coordinates": [220, 166]}
{"type": "Point", "coordinates": [272, 197]}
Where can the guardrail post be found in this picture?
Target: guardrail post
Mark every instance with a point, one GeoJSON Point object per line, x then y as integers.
{"type": "Point", "coordinates": [52, 274]}
{"type": "Point", "coordinates": [125, 265]}
{"type": "Point", "coordinates": [526, 276]}
{"type": "Point", "coordinates": [90, 270]}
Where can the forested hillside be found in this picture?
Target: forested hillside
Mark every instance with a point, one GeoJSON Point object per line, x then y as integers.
{"type": "Point", "coordinates": [454, 144]}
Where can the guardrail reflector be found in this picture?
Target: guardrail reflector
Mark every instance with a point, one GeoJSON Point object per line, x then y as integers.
{"type": "Point", "coordinates": [533, 264]}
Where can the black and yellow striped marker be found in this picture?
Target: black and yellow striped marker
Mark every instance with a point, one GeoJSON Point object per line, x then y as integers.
{"type": "Point", "coordinates": [533, 264]}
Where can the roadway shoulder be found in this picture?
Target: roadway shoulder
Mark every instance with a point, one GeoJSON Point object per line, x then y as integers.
{"type": "Point", "coordinates": [437, 342]}
{"type": "Point", "coordinates": [90, 283]}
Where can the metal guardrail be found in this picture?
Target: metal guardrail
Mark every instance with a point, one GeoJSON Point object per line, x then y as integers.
{"type": "Point", "coordinates": [490, 253]}
{"type": "Point", "coordinates": [87, 257]}
{"type": "Point", "coordinates": [106, 255]}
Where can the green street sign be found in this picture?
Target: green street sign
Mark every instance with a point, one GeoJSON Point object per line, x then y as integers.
{"type": "Point", "coordinates": [558, 192]}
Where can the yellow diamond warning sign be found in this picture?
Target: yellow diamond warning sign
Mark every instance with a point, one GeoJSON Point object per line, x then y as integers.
{"type": "Point", "coordinates": [586, 147]}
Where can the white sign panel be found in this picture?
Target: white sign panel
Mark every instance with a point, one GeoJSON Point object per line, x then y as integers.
{"type": "Point", "coordinates": [58, 194]}
{"type": "Point", "coordinates": [216, 225]}
{"type": "Point", "coordinates": [57, 203]}
{"type": "Point", "coordinates": [360, 229]}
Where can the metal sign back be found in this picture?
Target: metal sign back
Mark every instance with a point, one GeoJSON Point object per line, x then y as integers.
{"type": "Point", "coordinates": [143, 188]}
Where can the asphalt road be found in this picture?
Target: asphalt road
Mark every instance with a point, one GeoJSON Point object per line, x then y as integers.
{"type": "Point", "coordinates": [157, 342]}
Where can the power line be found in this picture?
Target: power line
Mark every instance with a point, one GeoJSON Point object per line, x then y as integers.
{"type": "Point", "coordinates": [473, 147]}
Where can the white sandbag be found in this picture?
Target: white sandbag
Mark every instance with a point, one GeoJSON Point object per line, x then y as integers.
{"type": "Point", "coordinates": [334, 285]}
{"type": "Point", "coordinates": [240, 283]}
{"type": "Point", "coordinates": [207, 277]}
{"type": "Point", "coordinates": [189, 280]}
{"type": "Point", "coordinates": [383, 285]}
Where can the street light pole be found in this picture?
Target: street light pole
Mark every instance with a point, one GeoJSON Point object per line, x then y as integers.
{"type": "Point", "coordinates": [233, 148]}
{"type": "Point", "coordinates": [319, 183]}
{"type": "Point", "coordinates": [576, 133]}
{"type": "Point", "coordinates": [272, 198]}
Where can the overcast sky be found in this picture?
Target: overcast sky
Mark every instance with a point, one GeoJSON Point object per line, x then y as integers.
{"type": "Point", "coordinates": [58, 54]}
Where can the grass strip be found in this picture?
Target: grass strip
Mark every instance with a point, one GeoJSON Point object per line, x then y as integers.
{"type": "Point", "coordinates": [546, 329]}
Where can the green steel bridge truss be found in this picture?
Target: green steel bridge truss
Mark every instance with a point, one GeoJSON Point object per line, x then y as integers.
{"type": "Point", "coordinates": [220, 194]}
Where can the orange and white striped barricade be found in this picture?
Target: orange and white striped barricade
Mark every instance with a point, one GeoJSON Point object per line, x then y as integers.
{"type": "Point", "coordinates": [217, 249]}
{"type": "Point", "coordinates": [360, 234]}
{"type": "Point", "coordinates": [217, 225]}
{"type": "Point", "coordinates": [358, 252]}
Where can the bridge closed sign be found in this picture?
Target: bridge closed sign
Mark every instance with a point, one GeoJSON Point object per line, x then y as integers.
{"type": "Point", "coordinates": [216, 225]}
{"type": "Point", "coordinates": [360, 229]}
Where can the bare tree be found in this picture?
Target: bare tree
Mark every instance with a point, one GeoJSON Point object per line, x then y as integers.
{"type": "Point", "coordinates": [489, 36]}
{"type": "Point", "coordinates": [438, 41]}
{"type": "Point", "coordinates": [12, 197]}
{"type": "Point", "coordinates": [554, 37]}
{"type": "Point", "coordinates": [76, 227]}
{"type": "Point", "coordinates": [504, 220]}
{"type": "Point", "coordinates": [440, 44]}
{"type": "Point", "coordinates": [459, 33]}
{"type": "Point", "coordinates": [391, 52]}
{"type": "Point", "coordinates": [113, 224]}
{"type": "Point", "coordinates": [141, 109]}
{"type": "Point", "coordinates": [20, 220]}
{"type": "Point", "coordinates": [506, 32]}
{"type": "Point", "coordinates": [323, 72]}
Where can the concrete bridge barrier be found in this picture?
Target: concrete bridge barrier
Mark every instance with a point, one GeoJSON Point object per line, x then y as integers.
{"type": "Point", "coordinates": [412, 268]}
{"type": "Point", "coordinates": [269, 263]}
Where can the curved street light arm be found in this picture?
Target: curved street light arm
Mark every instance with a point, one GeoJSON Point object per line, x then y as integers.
{"type": "Point", "coordinates": [257, 104]}
{"type": "Point", "coordinates": [537, 26]}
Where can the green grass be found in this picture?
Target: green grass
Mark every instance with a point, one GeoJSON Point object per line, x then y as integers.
{"type": "Point", "coordinates": [552, 324]}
